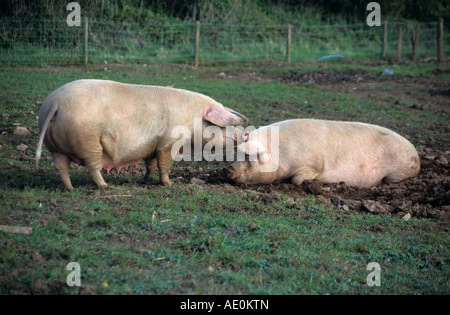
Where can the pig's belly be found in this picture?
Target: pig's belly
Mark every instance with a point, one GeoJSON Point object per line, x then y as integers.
{"type": "Point", "coordinates": [107, 164]}
{"type": "Point", "coordinates": [353, 176]}
{"type": "Point", "coordinates": [122, 153]}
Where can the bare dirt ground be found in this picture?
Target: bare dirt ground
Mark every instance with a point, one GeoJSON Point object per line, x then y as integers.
{"type": "Point", "coordinates": [427, 195]}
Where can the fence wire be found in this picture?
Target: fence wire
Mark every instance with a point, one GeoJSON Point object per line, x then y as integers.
{"type": "Point", "coordinates": [53, 42]}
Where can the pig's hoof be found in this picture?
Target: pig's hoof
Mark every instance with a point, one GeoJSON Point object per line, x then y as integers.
{"type": "Point", "coordinates": [166, 183]}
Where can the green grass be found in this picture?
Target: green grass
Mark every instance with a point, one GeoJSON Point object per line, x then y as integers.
{"type": "Point", "coordinates": [155, 243]}
{"type": "Point", "coordinates": [143, 238]}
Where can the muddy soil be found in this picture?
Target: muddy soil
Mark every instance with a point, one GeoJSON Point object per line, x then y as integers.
{"type": "Point", "coordinates": [427, 195]}
{"type": "Point", "coordinates": [326, 76]}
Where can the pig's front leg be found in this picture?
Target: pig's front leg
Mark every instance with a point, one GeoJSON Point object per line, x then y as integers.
{"type": "Point", "coordinates": [164, 159]}
{"type": "Point", "coordinates": [150, 166]}
{"type": "Point", "coordinates": [304, 174]}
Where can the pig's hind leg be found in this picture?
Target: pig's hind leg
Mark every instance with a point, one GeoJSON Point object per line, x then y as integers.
{"type": "Point", "coordinates": [62, 163]}
{"type": "Point", "coordinates": [93, 164]}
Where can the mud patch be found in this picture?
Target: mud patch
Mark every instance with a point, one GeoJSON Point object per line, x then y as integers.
{"type": "Point", "coordinates": [326, 76]}
{"type": "Point", "coordinates": [424, 196]}
{"type": "Point", "coordinates": [427, 195]}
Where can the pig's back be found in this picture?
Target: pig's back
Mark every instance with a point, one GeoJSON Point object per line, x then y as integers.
{"type": "Point", "coordinates": [357, 153]}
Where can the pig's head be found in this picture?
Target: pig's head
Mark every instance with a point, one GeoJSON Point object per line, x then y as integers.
{"type": "Point", "coordinates": [244, 172]}
{"type": "Point", "coordinates": [250, 172]}
{"type": "Point", "coordinates": [258, 166]}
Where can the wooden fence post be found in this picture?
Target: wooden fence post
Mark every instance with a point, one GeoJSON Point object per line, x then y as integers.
{"type": "Point", "coordinates": [86, 36]}
{"type": "Point", "coordinates": [440, 39]}
{"type": "Point", "coordinates": [415, 40]}
{"type": "Point", "coordinates": [383, 49]}
{"type": "Point", "coordinates": [197, 41]}
{"type": "Point", "coordinates": [288, 44]}
{"type": "Point", "coordinates": [399, 44]}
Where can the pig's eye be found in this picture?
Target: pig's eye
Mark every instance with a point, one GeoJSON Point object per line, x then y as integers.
{"type": "Point", "coordinates": [260, 156]}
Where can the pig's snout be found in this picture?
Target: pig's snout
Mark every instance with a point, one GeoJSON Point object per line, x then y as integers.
{"type": "Point", "coordinates": [228, 172]}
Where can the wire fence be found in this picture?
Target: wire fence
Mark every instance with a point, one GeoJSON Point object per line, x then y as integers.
{"type": "Point", "coordinates": [53, 42]}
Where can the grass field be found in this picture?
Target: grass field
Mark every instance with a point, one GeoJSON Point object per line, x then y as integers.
{"type": "Point", "coordinates": [143, 238]}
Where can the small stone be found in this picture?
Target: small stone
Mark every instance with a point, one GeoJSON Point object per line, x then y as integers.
{"type": "Point", "coordinates": [406, 217]}
{"type": "Point", "coordinates": [21, 131]}
{"type": "Point", "coordinates": [373, 206]}
{"type": "Point", "coordinates": [22, 147]}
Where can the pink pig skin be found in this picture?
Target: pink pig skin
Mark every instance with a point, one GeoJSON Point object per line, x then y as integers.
{"type": "Point", "coordinates": [356, 153]}
{"type": "Point", "coordinates": [104, 125]}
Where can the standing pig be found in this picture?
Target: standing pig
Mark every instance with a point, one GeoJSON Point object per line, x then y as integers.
{"type": "Point", "coordinates": [356, 153]}
{"type": "Point", "coordinates": [104, 125]}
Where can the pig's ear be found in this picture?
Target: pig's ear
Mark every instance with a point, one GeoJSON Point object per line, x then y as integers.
{"type": "Point", "coordinates": [242, 117]}
{"type": "Point", "coordinates": [245, 136]}
{"type": "Point", "coordinates": [222, 116]}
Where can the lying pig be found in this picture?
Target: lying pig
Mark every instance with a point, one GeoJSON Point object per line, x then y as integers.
{"type": "Point", "coordinates": [356, 153]}
{"type": "Point", "coordinates": [105, 125]}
